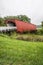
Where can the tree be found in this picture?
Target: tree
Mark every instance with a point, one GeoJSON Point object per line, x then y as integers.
{"type": "Point", "coordinates": [2, 22]}
{"type": "Point", "coordinates": [42, 24]}
{"type": "Point", "coordinates": [23, 18]}
{"type": "Point", "coordinates": [19, 17]}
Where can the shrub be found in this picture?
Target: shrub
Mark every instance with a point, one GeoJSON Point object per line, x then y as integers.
{"type": "Point", "coordinates": [31, 38]}
{"type": "Point", "coordinates": [39, 31]}
{"type": "Point", "coordinates": [2, 23]}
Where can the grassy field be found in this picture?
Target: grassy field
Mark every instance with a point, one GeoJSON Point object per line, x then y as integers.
{"type": "Point", "coordinates": [16, 52]}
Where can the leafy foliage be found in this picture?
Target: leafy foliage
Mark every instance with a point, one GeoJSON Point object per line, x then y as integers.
{"type": "Point", "coordinates": [19, 17]}
{"type": "Point", "coordinates": [23, 18]}
{"type": "Point", "coordinates": [2, 23]}
{"type": "Point", "coordinates": [42, 24]}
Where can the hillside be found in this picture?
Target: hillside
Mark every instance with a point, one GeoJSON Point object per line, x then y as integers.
{"type": "Point", "coordinates": [15, 52]}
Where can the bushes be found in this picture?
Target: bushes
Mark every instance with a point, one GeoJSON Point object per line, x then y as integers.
{"type": "Point", "coordinates": [36, 36]}
{"type": "Point", "coordinates": [39, 31]}
{"type": "Point", "coordinates": [33, 38]}
{"type": "Point", "coordinates": [2, 22]}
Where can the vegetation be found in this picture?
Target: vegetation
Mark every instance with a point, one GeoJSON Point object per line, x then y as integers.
{"type": "Point", "coordinates": [16, 52]}
{"type": "Point", "coordinates": [2, 22]}
{"type": "Point", "coordinates": [16, 48]}
{"type": "Point", "coordinates": [40, 29]}
{"type": "Point", "coordinates": [32, 38]}
{"type": "Point", "coordinates": [27, 37]}
{"type": "Point", "coordinates": [19, 17]}
{"type": "Point", "coordinates": [23, 18]}
{"type": "Point", "coordinates": [42, 24]}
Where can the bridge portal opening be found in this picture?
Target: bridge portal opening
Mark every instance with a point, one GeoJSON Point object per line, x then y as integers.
{"type": "Point", "coordinates": [11, 24]}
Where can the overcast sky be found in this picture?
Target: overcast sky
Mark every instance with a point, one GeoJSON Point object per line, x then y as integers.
{"type": "Point", "coordinates": [31, 8]}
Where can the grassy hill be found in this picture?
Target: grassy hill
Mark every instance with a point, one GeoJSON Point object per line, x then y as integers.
{"type": "Point", "coordinates": [16, 52]}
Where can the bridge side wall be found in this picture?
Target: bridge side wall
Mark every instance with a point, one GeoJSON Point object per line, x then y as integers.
{"type": "Point", "coordinates": [23, 26]}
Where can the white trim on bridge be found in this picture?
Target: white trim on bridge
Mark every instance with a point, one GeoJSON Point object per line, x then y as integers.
{"type": "Point", "coordinates": [5, 28]}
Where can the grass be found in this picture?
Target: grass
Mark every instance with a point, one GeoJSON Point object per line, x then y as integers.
{"type": "Point", "coordinates": [16, 52]}
{"type": "Point", "coordinates": [27, 37]}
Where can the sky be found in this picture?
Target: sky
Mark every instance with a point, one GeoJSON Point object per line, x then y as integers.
{"type": "Point", "coordinates": [32, 8]}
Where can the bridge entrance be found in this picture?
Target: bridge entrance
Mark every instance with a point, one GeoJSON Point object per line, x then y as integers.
{"type": "Point", "coordinates": [10, 23]}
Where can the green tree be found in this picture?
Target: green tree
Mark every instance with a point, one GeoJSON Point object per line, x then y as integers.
{"type": "Point", "coordinates": [23, 18]}
{"type": "Point", "coordinates": [2, 21]}
{"type": "Point", "coordinates": [42, 24]}
{"type": "Point", "coordinates": [19, 17]}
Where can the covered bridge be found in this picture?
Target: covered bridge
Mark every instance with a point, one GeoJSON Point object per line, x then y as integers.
{"type": "Point", "coordinates": [21, 26]}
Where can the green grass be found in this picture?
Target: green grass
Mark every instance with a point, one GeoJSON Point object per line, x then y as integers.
{"type": "Point", "coordinates": [16, 52]}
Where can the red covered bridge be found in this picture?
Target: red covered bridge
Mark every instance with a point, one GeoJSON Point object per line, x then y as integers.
{"type": "Point", "coordinates": [21, 26]}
